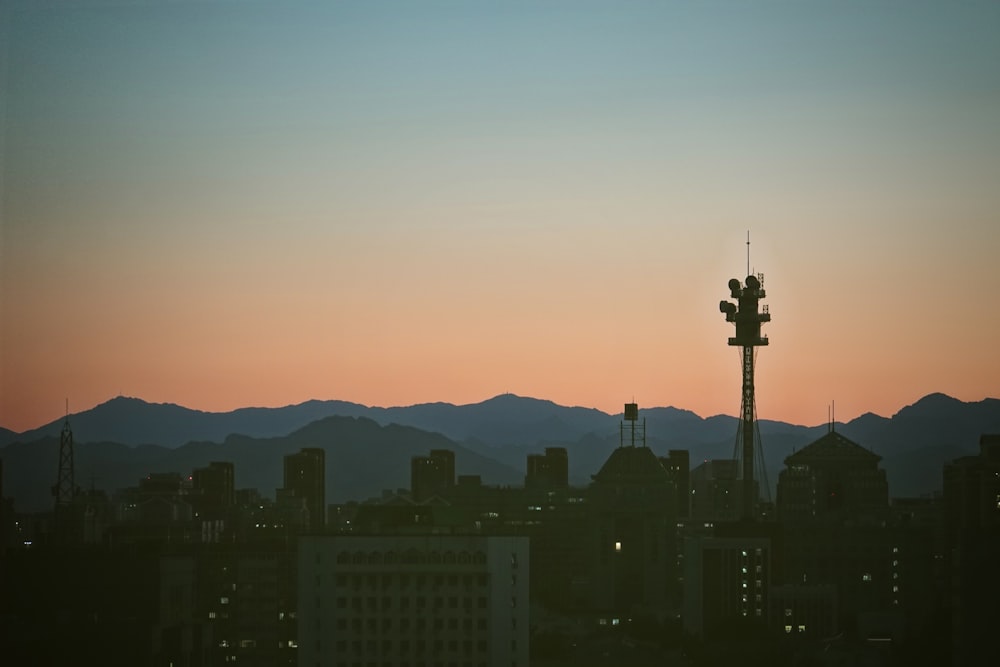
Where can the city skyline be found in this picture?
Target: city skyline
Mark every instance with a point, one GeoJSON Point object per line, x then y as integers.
{"type": "Point", "coordinates": [224, 204]}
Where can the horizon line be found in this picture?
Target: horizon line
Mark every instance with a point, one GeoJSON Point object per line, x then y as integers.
{"type": "Point", "coordinates": [460, 405]}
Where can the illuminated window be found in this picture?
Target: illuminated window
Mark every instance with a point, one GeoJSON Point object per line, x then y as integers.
{"type": "Point", "coordinates": [618, 547]}
{"type": "Point", "coordinates": [788, 629]}
{"type": "Point", "coordinates": [802, 628]}
{"type": "Point", "coordinates": [788, 612]}
{"type": "Point", "coordinates": [866, 577]}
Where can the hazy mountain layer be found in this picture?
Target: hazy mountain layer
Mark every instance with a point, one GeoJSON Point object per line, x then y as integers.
{"type": "Point", "coordinates": [914, 443]}
{"type": "Point", "coordinates": [362, 460]}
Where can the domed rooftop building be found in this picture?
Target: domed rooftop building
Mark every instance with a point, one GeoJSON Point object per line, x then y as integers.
{"type": "Point", "coordinates": [633, 502]}
{"type": "Point", "coordinates": [833, 479]}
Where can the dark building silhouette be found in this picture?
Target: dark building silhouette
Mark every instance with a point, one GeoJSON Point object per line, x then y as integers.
{"type": "Point", "coordinates": [305, 476]}
{"type": "Point", "coordinates": [549, 470]}
{"type": "Point", "coordinates": [725, 578]}
{"type": "Point", "coordinates": [213, 498]}
{"type": "Point", "coordinates": [78, 605]}
{"type": "Point", "coordinates": [226, 603]}
{"type": "Point", "coordinates": [633, 518]}
{"type": "Point", "coordinates": [833, 480]}
{"type": "Point", "coordinates": [972, 515]}
{"type": "Point", "coordinates": [677, 463]}
{"type": "Point", "coordinates": [213, 489]}
{"type": "Point", "coordinates": [716, 491]}
{"type": "Point", "coordinates": [414, 600]}
{"type": "Point", "coordinates": [432, 475]}
{"type": "Point", "coordinates": [804, 611]}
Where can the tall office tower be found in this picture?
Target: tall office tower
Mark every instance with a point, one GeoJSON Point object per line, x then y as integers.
{"type": "Point", "coordinates": [725, 578]}
{"type": "Point", "coordinates": [393, 600]}
{"type": "Point", "coordinates": [432, 475]}
{"type": "Point", "coordinates": [549, 470]}
{"type": "Point", "coordinates": [745, 315]}
{"type": "Point", "coordinates": [214, 489]}
{"type": "Point", "coordinates": [305, 475]}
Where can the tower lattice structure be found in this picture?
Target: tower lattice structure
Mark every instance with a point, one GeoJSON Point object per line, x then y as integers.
{"type": "Point", "coordinates": [64, 489]}
{"type": "Point", "coordinates": [748, 318]}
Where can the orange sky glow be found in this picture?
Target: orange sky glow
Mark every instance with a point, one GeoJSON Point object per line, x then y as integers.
{"type": "Point", "coordinates": [380, 205]}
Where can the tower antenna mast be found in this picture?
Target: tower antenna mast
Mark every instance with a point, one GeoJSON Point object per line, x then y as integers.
{"type": "Point", "coordinates": [748, 319]}
{"type": "Point", "coordinates": [64, 489]}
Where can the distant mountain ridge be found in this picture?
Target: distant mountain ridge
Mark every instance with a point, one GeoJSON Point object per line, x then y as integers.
{"type": "Point", "coordinates": [362, 459]}
{"type": "Point", "coordinates": [914, 442]}
{"type": "Point", "coordinates": [504, 418]}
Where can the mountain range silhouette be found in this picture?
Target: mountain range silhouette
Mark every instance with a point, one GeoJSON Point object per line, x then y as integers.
{"type": "Point", "coordinates": [369, 448]}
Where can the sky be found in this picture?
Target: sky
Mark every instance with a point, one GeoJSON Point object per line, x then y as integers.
{"type": "Point", "coordinates": [252, 203]}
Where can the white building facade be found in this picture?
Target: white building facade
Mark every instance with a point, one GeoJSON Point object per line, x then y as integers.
{"type": "Point", "coordinates": [413, 601]}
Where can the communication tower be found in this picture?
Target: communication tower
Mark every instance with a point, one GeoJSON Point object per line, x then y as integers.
{"type": "Point", "coordinates": [748, 319]}
{"type": "Point", "coordinates": [64, 489]}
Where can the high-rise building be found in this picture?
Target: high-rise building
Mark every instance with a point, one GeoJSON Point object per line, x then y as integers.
{"type": "Point", "coordinates": [725, 578]}
{"type": "Point", "coordinates": [213, 489]}
{"type": "Point", "coordinates": [549, 470]}
{"type": "Point", "coordinates": [305, 475]}
{"type": "Point", "coordinates": [432, 475]}
{"type": "Point", "coordinates": [225, 603]}
{"type": "Point", "coordinates": [972, 515]}
{"type": "Point", "coordinates": [412, 600]}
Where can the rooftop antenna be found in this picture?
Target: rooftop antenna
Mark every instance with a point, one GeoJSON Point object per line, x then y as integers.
{"type": "Point", "coordinates": [748, 252]}
{"type": "Point", "coordinates": [833, 415]}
